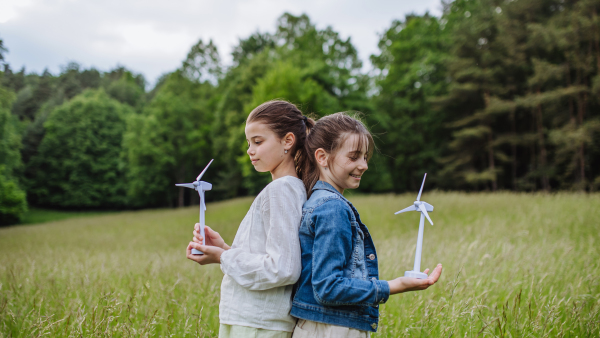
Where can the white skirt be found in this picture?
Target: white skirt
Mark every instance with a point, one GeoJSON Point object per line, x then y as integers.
{"type": "Point", "coordinates": [237, 331]}
{"type": "Point", "coordinates": [310, 329]}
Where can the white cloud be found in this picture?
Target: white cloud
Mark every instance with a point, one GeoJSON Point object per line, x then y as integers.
{"type": "Point", "coordinates": [153, 37]}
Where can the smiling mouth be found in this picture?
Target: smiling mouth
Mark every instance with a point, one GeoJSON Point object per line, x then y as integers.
{"type": "Point", "coordinates": [253, 161]}
{"type": "Point", "coordinates": [355, 176]}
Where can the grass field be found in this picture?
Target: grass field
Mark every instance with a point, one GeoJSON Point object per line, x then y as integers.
{"type": "Point", "coordinates": [515, 265]}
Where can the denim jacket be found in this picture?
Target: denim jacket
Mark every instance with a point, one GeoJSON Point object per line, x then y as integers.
{"type": "Point", "coordinates": [339, 283]}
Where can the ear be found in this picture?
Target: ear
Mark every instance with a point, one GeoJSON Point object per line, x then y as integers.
{"type": "Point", "coordinates": [288, 141]}
{"type": "Point", "coordinates": [322, 157]}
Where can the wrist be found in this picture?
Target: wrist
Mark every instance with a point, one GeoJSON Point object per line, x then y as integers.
{"type": "Point", "coordinates": [396, 286]}
{"type": "Point", "coordinates": [220, 254]}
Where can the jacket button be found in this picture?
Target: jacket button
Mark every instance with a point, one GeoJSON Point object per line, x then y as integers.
{"type": "Point", "coordinates": [371, 256]}
{"type": "Point", "coordinates": [374, 326]}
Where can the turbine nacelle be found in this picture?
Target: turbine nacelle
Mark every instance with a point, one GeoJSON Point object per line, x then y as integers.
{"type": "Point", "coordinates": [197, 185]}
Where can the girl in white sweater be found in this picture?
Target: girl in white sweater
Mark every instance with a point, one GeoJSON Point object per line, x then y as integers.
{"type": "Point", "coordinates": [263, 263]}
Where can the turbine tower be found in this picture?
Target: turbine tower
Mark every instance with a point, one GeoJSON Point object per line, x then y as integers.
{"type": "Point", "coordinates": [423, 208]}
{"type": "Point", "coordinates": [201, 187]}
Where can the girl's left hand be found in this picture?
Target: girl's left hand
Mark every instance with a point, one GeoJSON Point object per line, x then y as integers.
{"type": "Point", "coordinates": [212, 254]}
{"type": "Point", "coordinates": [404, 284]}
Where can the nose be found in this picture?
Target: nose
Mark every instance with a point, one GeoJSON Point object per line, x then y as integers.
{"type": "Point", "coordinates": [363, 165]}
{"type": "Point", "coordinates": [250, 151]}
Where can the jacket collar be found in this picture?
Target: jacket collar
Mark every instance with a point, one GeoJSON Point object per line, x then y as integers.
{"type": "Point", "coordinates": [322, 185]}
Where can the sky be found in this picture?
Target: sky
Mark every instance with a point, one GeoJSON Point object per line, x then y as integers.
{"type": "Point", "coordinates": [152, 37]}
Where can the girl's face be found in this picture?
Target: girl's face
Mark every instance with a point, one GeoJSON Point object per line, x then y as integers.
{"type": "Point", "coordinates": [348, 165]}
{"type": "Point", "coordinates": [266, 150]}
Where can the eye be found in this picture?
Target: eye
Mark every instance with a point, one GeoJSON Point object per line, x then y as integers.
{"type": "Point", "coordinates": [257, 142]}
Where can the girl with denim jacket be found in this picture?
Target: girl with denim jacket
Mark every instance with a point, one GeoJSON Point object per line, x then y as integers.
{"type": "Point", "coordinates": [339, 291]}
{"type": "Point", "coordinates": [263, 263]}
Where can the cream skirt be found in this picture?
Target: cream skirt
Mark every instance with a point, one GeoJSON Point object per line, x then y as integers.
{"type": "Point", "coordinates": [237, 331]}
{"type": "Point", "coordinates": [310, 329]}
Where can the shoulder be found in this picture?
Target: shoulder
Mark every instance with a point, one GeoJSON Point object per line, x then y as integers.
{"type": "Point", "coordinates": [286, 185]}
{"type": "Point", "coordinates": [285, 188]}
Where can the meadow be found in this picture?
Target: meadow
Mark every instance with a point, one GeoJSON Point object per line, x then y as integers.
{"type": "Point", "coordinates": [515, 265]}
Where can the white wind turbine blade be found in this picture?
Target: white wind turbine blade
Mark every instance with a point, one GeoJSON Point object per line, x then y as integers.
{"type": "Point", "coordinates": [422, 184]}
{"type": "Point", "coordinates": [411, 208]}
{"type": "Point", "coordinates": [424, 211]}
{"type": "Point", "coordinates": [203, 171]}
{"type": "Point", "coordinates": [187, 185]}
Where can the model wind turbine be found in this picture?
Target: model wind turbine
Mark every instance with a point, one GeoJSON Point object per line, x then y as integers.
{"type": "Point", "coordinates": [201, 187]}
{"type": "Point", "coordinates": [423, 208]}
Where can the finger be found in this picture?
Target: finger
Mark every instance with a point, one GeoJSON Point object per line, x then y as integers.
{"type": "Point", "coordinates": [201, 247]}
{"type": "Point", "coordinates": [188, 251]}
{"type": "Point", "coordinates": [435, 275]}
{"type": "Point", "coordinates": [426, 271]}
{"type": "Point", "coordinates": [210, 232]}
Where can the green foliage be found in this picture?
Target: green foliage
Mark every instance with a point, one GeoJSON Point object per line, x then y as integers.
{"type": "Point", "coordinates": [412, 69]}
{"type": "Point", "coordinates": [13, 201]}
{"type": "Point", "coordinates": [2, 50]}
{"type": "Point", "coordinates": [167, 143]}
{"type": "Point", "coordinates": [528, 87]}
{"type": "Point", "coordinates": [10, 140]}
{"type": "Point", "coordinates": [491, 95]}
{"type": "Point", "coordinates": [313, 68]}
{"type": "Point", "coordinates": [127, 91]}
{"type": "Point", "coordinates": [78, 163]}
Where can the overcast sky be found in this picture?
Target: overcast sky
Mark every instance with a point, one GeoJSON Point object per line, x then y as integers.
{"type": "Point", "coordinates": [152, 37]}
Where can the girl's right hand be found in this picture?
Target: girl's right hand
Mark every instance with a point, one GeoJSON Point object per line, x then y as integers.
{"type": "Point", "coordinates": [212, 237]}
{"type": "Point", "coordinates": [404, 284]}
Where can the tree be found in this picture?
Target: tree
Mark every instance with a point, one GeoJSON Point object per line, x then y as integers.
{"type": "Point", "coordinates": [313, 68]}
{"type": "Point", "coordinates": [412, 69]}
{"type": "Point", "coordinates": [13, 201]}
{"type": "Point", "coordinates": [2, 50]}
{"type": "Point", "coordinates": [78, 164]}
{"type": "Point", "coordinates": [169, 142]}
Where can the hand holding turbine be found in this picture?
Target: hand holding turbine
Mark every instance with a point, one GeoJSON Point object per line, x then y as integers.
{"type": "Point", "coordinates": [201, 187]}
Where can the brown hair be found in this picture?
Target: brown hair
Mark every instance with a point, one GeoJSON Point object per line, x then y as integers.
{"type": "Point", "coordinates": [330, 133]}
{"type": "Point", "coordinates": [284, 117]}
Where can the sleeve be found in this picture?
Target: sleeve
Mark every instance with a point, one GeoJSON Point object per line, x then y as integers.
{"type": "Point", "coordinates": [281, 211]}
{"type": "Point", "coordinates": [332, 251]}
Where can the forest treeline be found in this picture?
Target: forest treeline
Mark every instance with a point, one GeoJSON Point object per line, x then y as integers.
{"type": "Point", "coordinates": [491, 95]}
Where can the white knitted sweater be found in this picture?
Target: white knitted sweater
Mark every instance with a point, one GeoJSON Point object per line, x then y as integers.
{"type": "Point", "coordinates": [264, 260]}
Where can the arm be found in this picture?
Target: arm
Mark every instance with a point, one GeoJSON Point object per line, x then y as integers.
{"type": "Point", "coordinates": [405, 284]}
{"type": "Point", "coordinates": [332, 251]}
{"type": "Point", "coordinates": [280, 264]}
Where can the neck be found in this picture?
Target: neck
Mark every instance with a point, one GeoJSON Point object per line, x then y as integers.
{"type": "Point", "coordinates": [285, 168]}
{"type": "Point", "coordinates": [325, 178]}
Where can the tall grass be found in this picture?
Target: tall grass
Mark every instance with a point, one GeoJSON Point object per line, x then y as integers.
{"type": "Point", "coordinates": [515, 265]}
